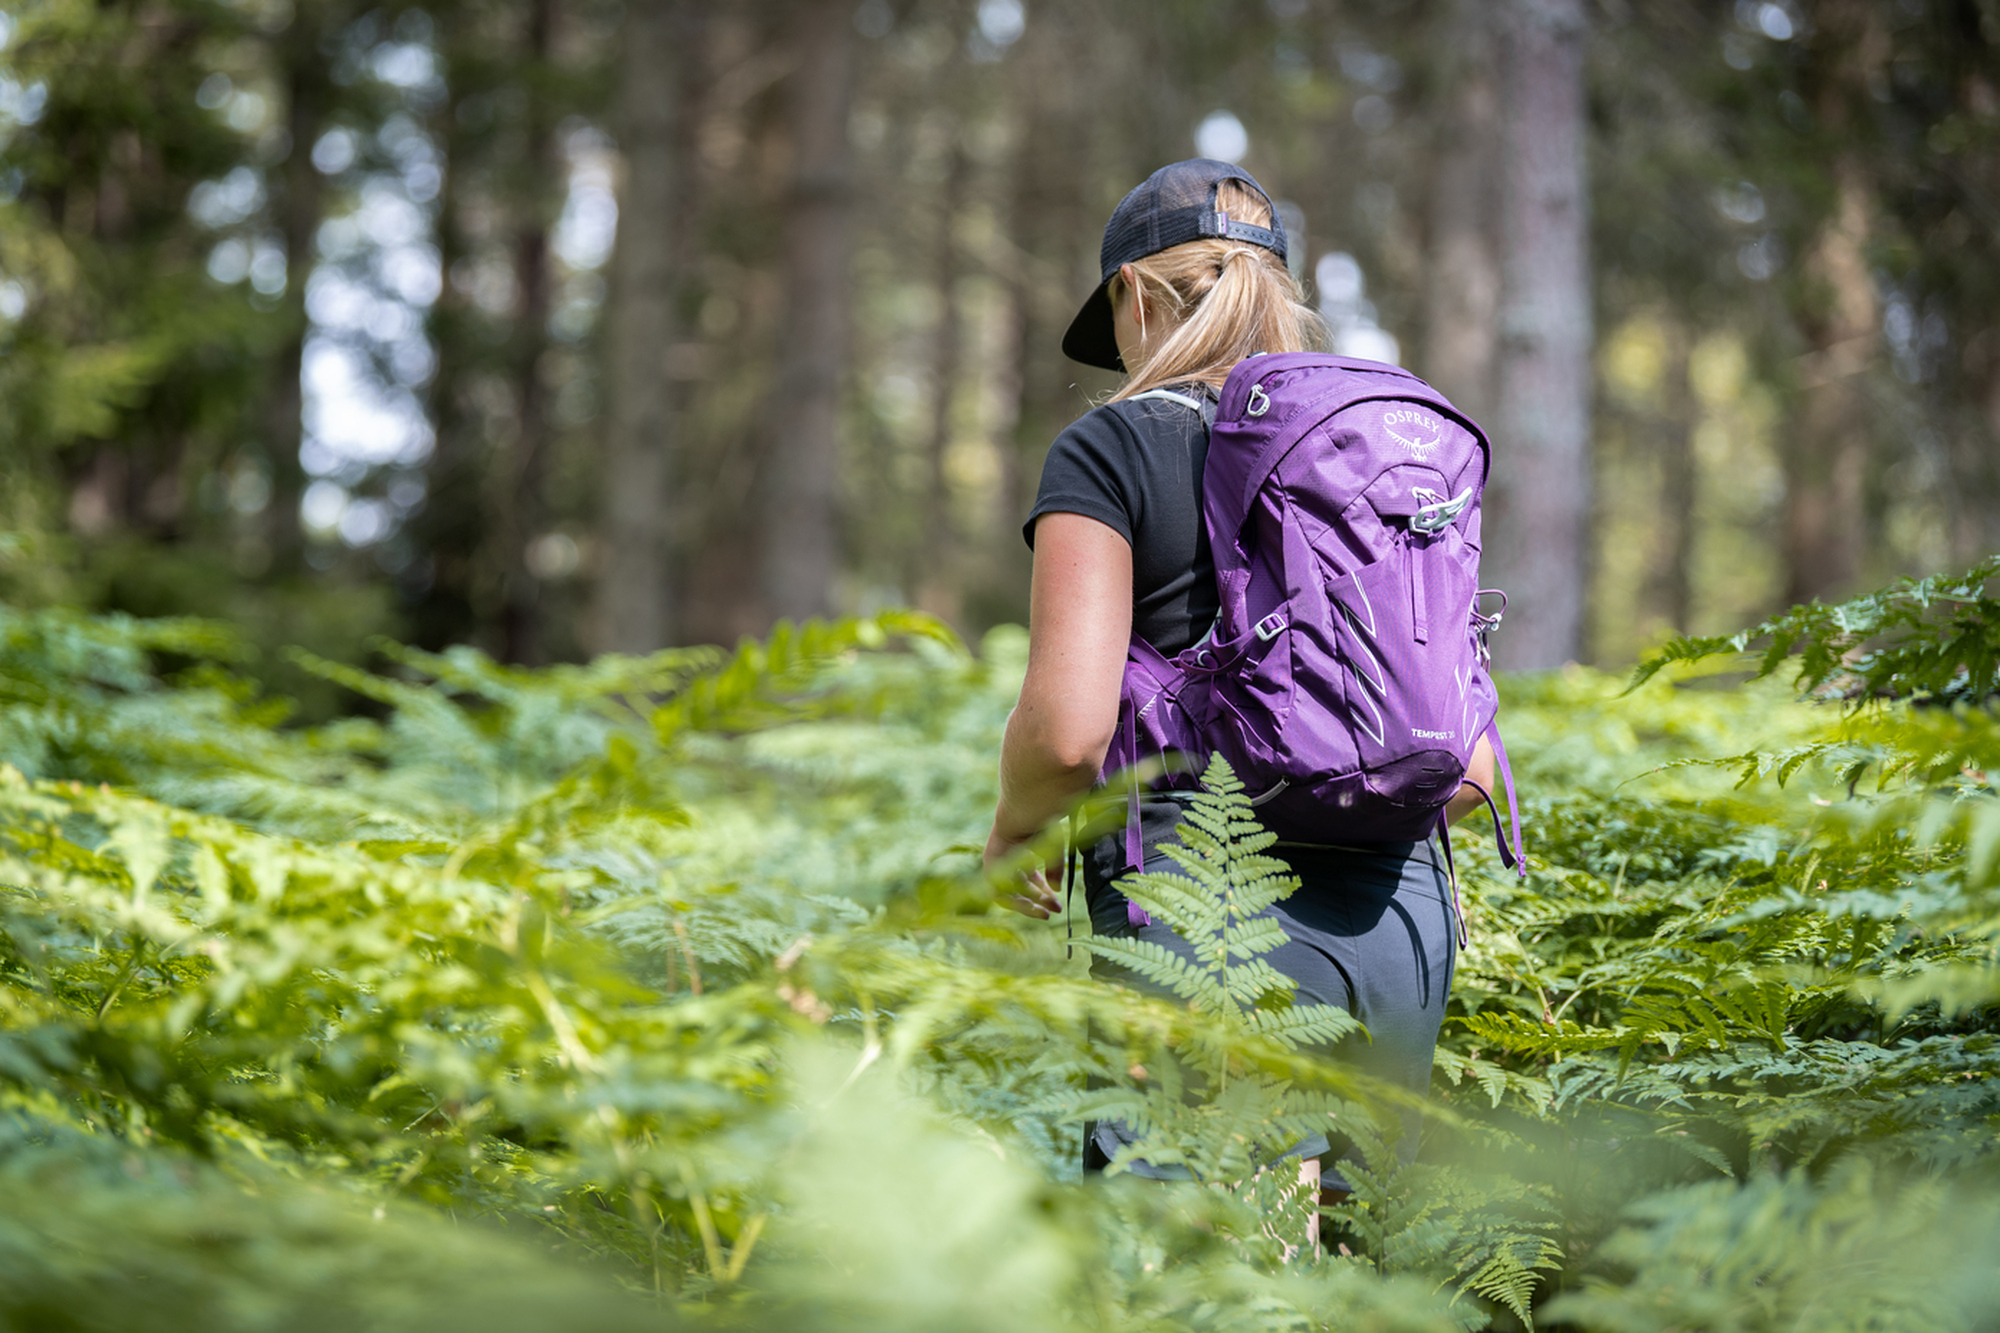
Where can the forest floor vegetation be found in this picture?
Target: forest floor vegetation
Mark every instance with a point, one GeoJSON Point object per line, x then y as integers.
{"type": "Point", "coordinates": [667, 990]}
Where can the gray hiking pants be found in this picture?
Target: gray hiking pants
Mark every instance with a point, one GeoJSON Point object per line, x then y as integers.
{"type": "Point", "coordinates": [1371, 930]}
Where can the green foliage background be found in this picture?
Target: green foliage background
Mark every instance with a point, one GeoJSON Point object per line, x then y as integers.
{"type": "Point", "coordinates": [665, 990]}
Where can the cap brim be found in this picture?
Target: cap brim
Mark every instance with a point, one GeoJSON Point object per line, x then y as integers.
{"type": "Point", "coordinates": [1091, 338]}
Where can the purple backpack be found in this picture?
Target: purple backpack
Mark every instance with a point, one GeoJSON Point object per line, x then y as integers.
{"type": "Point", "coordinates": [1345, 678]}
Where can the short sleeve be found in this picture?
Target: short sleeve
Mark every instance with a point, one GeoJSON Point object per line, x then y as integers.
{"type": "Point", "coordinates": [1090, 471]}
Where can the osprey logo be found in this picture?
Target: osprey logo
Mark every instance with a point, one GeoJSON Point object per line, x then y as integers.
{"type": "Point", "coordinates": [1419, 425]}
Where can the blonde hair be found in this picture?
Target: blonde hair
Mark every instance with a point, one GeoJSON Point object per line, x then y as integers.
{"type": "Point", "coordinates": [1222, 300]}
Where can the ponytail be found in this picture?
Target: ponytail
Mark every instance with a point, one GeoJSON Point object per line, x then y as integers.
{"type": "Point", "coordinates": [1222, 300]}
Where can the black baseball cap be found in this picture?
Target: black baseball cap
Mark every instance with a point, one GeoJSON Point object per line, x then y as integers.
{"type": "Point", "coordinates": [1176, 204]}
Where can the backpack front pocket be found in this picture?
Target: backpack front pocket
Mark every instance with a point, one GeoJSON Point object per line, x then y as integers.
{"type": "Point", "coordinates": [1408, 667]}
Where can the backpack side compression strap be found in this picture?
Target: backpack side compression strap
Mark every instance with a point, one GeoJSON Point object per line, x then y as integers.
{"type": "Point", "coordinates": [1520, 861]}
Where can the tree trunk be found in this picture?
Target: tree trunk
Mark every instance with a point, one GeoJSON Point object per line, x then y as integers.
{"type": "Point", "coordinates": [1826, 451]}
{"type": "Point", "coordinates": [308, 92]}
{"type": "Point", "coordinates": [800, 482]}
{"type": "Point", "coordinates": [1537, 528]}
{"type": "Point", "coordinates": [1462, 280]}
{"type": "Point", "coordinates": [1673, 582]}
{"type": "Point", "coordinates": [1054, 229]}
{"type": "Point", "coordinates": [521, 508]}
{"type": "Point", "coordinates": [635, 603]}
{"type": "Point", "coordinates": [937, 584]}
{"type": "Point", "coordinates": [1972, 479]}
{"type": "Point", "coordinates": [447, 529]}
{"type": "Point", "coordinates": [1973, 495]}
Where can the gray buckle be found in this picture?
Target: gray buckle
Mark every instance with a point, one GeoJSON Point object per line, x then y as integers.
{"type": "Point", "coordinates": [1268, 628]}
{"type": "Point", "coordinates": [1435, 518]}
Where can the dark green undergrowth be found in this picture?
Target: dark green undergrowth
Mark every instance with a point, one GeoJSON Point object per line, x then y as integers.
{"type": "Point", "coordinates": [667, 991]}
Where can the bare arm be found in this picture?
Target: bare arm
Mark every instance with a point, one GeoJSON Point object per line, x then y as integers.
{"type": "Point", "coordinates": [1479, 770]}
{"type": "Point", "coordinates": [1079, 623]}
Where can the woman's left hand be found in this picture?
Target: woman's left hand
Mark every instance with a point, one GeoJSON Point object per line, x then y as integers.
{"type": "Point", "coordinates": [1036, 898]}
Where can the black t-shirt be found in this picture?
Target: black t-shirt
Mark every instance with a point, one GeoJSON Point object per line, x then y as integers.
{"type": "Point", "coordinates": [1135, 466]}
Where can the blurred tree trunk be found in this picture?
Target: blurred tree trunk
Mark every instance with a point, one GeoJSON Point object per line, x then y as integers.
{"type": "Point", "coordinates": [800, 480]}
{"type": "Point", "coordinates": [1043, 374]}
{"type": "Point", "coordinates": [1673, 580]}
{"type": "Point", "coordinates": [1536, 533]}
{"type": "Point", "coordinates": [635, 604]}
{"type": "Point", "coordinates": [1973, 491]}
{"type": "Point", "coordinates": [736, 98]}
{"type": "Point", "coordinates": [1972, 295]}
{"type": "Point", "coordinates": [520, 508]}
{"type": "Point", "coordinates": [447, 528]}
{"type": "Point", "coordinates": [104, 236]}
{"type": "Point", "coordinates": [1462, 279]}
{"type": "Point", "coordinates": [1826, 450]}
{"type": "Point", "coordinates": [937, 573]}
{"type": "Point", "coordinates": [304, 74]}
{"type": "Point", "coordinates": [1055, 229]}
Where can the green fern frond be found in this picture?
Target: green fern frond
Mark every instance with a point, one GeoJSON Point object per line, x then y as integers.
{"type": "Point", "coordinates": [1216, 903]}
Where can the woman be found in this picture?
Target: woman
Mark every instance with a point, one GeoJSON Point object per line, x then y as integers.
{"type": "Point", "coordinates": [1193, 281]}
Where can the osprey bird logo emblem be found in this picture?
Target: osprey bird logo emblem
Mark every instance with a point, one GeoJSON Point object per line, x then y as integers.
{"type": "Point", "coordinates": [1420, 448]}
{"type": "Point", "coordinates": [1420, 425]}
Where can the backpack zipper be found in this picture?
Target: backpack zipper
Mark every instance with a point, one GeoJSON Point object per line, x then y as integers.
{"type": "Point", "coordinates": [1420, 616]}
